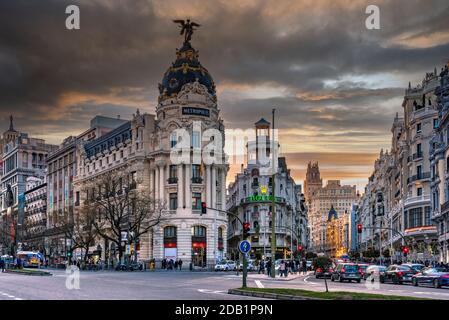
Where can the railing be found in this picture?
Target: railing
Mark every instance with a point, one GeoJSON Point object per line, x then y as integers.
{"type": "Point", "coordinates": [197, 180]}
{"type": "Point", "coordinates": [412, 200]}
{"type": "Point", "coordinates": [416, 177]}
{"type": "Point", "coordinates": [445, 207]}
{"type": "Point", "coordinates": [172, 180]}
{"type": "Point", "coordinates": [417, 155]}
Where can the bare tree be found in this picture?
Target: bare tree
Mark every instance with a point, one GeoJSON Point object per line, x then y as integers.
{"type": "Point", "coordinates": [79, 228]}
{"type": "Point", "coordinates": [120, 206]}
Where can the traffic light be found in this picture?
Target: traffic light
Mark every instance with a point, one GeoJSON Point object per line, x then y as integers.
{"type": "Point", "coordinates": [359, 228]}
{"type": "Point", "coordinates": [405, 251]}
{"type": "Point", "coordinates": [246, 228]}
{"type": "Point", "coordinates": [300, 248]}
{"type": "Point", "coordinates": [203, 208]}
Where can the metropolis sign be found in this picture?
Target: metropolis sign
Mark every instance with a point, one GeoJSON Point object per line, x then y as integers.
{"type": "Point", "coordinates": [263, 198]}
{"type": "Point", "coordinates": [195, 111]}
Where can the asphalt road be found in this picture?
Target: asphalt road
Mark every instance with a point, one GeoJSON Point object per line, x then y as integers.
{"type": "Point", "coordinates": [171, 285]}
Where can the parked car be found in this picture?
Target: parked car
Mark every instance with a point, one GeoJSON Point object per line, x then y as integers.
{"type": "Point", "coordinates": [323, 272]}
{"type": "Point", "coordinates": [416, 267]}
{"type": "Point", "coordinates": [346, 271]}
{"type": "Point", "coordinates": [362, 269]}
{"type": "Point", "coordinates": [436, 277]}
{"type": "Point", "coordinates": [397, 274]}
{"type": "Point", "coordinates": [232, 265]}
{"type": "Point", "coordinates": [375, 271]}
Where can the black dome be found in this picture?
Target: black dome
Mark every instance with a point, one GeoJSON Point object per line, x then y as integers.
{"type": "Point", "coordinates": [186, 69]}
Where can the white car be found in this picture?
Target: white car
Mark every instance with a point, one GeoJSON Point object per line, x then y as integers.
{"type": "Point", "coordinates": [250, 266]}
{"type": "Point", "coordinates": [225, 266]}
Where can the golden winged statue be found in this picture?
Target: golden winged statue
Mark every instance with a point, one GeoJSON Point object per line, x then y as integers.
{"type": "Point", "coordinates": [187, 28]}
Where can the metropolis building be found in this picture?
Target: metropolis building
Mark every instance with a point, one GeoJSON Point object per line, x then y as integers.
{"type": "Point", "coordinates": [187, 102]}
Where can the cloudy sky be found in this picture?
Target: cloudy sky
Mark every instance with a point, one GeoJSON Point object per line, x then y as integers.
{"type": "Point", "coordinates": [336, 85]}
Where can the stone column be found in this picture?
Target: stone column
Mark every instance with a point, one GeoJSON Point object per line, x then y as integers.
{"type": "Point", "coordinates": [188, 194]}
{"type": "Point", "coordinates": [223, 188]}
{"type": "Point", "coordinates": [156, 183]}
{"type": "Point", "coordinates": [180, 186]}
{"type": "Point", "coordinates": [161, 183]}
{"type": "Point", "coordinates": [152, 183]}
{"type": "Point", "coordinates": [213, 188]}
{"type": "Point", "coordinates": [208, 184]}
{"type": "Point", "coordinates": [166, 175]}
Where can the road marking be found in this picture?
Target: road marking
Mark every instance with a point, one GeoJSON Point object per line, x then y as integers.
{"type": "Point", "coordinates": [10, 296]}
{"type": "Point", "coordinates": [259, 284]}
{"type": "Point", "coordinates": [212, 291]}
{"type": "Point", "coordinates": [309, 282]}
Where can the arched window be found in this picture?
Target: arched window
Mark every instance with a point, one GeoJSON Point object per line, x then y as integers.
{"type": "Point", "coordinates": [199, 231]}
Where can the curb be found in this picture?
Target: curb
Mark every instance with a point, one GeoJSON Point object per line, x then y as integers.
{"type": "Point", "coordinates": [267, 295]}
{"type": "Point", "coordinates": [29, 273]}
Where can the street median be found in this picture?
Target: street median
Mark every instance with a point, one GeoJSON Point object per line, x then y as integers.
{"type": "Point", "coordinates": [29, 272]}
{"type": "Point", "coordinates": [298, 294]}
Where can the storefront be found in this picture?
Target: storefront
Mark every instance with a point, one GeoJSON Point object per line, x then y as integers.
{"type": "Point", "coordinates": [199, 246]}
{"type": "Point", "coordinates": [170, 243]}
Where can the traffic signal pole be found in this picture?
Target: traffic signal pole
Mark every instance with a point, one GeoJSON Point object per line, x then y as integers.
{"type": "Point", "coordinates": [273, 204]}
{"type": "Point", "coordinates": [245, 262]}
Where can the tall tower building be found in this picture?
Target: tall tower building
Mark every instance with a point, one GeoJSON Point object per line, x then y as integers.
{"type": "Point", "coordinates": [313, 180]}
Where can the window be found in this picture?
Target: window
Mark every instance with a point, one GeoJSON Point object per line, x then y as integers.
{"type": "Point", "coordinates": [418, 128]}
{"type": "Point", "coordinates": [415, 217]}
{"type": "Point", "coordinates": [173, 171]}
{"type": "Point", "coordinates": [419, 150]}
{"type": "Point", "coordinates": [436, 122]}
{"type": "Point", "coordinates": [173, 201]}
{"type": "Point", "coordinates": [173, 139]}
{"type": "Point", "coordinates": [419, 192]}
{"type": "Point", "coordinates": [170, 232]}
{"type": "Point", "coordinates": [196, 171]}
{"type": "Point", "coordinates": [196, 140]}
{"type": "Point", "coordinates": [199, 231]}
{"type": "Point", "coordinates": [419, 172]}
{"type": "Point", "coordinates": [427, 221]}
{"type": "Point", "coordinates": [196, 201]}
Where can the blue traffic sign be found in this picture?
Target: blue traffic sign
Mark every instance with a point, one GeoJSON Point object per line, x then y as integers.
{"type": "Point", "coordinates": [244, 246]}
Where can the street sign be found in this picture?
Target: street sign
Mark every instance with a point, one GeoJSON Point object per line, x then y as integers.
{"type": "Point", "coordinates": [128, 249]}
{"type": "Point", "coordinates": [244, 246]}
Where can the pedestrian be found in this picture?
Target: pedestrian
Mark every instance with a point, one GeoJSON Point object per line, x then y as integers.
{"type": "Point", "coordinates": [304, 266]}
{"type": "Point", "coordinates": [261, 267]}
{"type": "Point", "coordinates": [2, 265]}
{"type": "Point", "coordinates": [176, 264]}
{"type": "Point", "coordinates": [164, 263]}
{"type": "Point", "coordinates": [282, 268]}
{"type": "Point", "coordinates": [180, 264]}
{"type": "Point", "coordinates": [268, 266]}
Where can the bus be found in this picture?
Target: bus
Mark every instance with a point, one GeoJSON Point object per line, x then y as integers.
{"type": "Point", "coordinates": [30, 258]}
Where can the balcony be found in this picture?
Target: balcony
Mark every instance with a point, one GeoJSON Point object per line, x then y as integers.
{"type": "Point", "coordinates": [445, 207]}
{"type": "Point", "coordinates": [417, 156]}
{"type": "Point", "coordinates": [416, 200]}
{"type": "Point", "coordinates": [172, 180]}
{"type": "Point", "coordinates": [417, 177]}
{"type": "Point", "coordinates": [197, 180]}
{"type": "Point", "coordinates": [423, 230]}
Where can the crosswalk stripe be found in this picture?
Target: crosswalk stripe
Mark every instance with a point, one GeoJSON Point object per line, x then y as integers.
{"type": "Point", "coordinates": [259, 284]}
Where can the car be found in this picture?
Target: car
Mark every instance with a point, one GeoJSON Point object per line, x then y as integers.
{"type": "Point", "coordinates": [346, 271]}
{"type": "Point", "coordinates": [223, 266]}
{"type": "Point", "coordinates": [323, 272]}
{"type": "Point", "coordinates": [232, 265]}
{"type": "Point", "coordinates": [362, 269]}
{"type": "Point", "coordinates": [397, 274]}
{"type": "Point", "coordinates": [374, 271]}
{"type": "Point", "coordinates": [435, 277]}
{"type": "Point", "coordinates": [250, 266]}
{"type": "Point", "coordinates": [416, 267]}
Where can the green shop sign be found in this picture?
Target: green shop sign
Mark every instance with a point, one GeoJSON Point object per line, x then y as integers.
{"type": "Point", "coordinates": [263, 198]}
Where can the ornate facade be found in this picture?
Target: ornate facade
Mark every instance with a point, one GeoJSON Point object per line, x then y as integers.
{"type": "Point", "coordinates": [146, 145]}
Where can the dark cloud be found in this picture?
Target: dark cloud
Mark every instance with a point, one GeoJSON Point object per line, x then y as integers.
{"type": "Point", "coordinates": [334, 76]}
